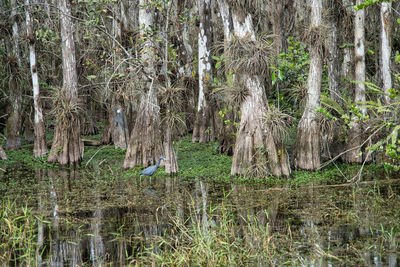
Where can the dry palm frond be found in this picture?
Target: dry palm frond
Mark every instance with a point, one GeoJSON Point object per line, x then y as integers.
{"type": "Point", "coordinates": [278, 123]}
{"type": "Point", "coordinates": [249, 56]}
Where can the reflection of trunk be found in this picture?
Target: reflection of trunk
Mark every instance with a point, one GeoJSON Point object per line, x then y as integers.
{"type": "Point", "coordinates": [40, 147]}
{"type": "Point", "coordinates": [385, 49]}
{"type": "Point", "coordinates": [145, 140]}
{"type": "Point", "coordinates": [40, 231]}
{"type": "Point", "coordinates": [307, 155]}
{"type": "Point", "coordinates": [204, 127]}
{"type": "Point", "coordinates": [201, 207]}
{"type": "Point", "coordinates": [96, 240]}
{"type": "Point", "coordinates": [355, 131]}
{"type": "Point", "coordinates": [15, 97]}
{"type": "Point", "coordinates": [254, 148]}
{"type": "Point", "coordinates": [67, 147]}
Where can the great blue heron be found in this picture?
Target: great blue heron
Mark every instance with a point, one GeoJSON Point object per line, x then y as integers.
{"type": "Point", "coordinates": [149, 171]}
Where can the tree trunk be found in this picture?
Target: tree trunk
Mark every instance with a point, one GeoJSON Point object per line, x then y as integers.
{"type": "Point", "coordinates": [355, 131]}
{"type": "Point", "coordinates": [40, 147]}
{"type": "Point", "coordinates": [120, 129]}
{"type": "Point", "coordinates": [15, 98]}
{"type": "Point", "coordinates": [203, 127]}
{"type": "Point", "coordinates": [332, 50]}
{"type": "Point", "coordinates": [171, 164]}
{"type": "Point", "coordinates": [3, 154]}
{"type": "Point", "coordinates": [386, 50]}
{"type": "Point", "coordinates": [255, 148]}
{"type": "Point", "coordinates": [145, 145]}
{"type": "Point", "coordinates": [346, 72]}
{"type": "Point", "coordinates": [307, 151]}
{"type": "Point", "coordinates": [67, 147]}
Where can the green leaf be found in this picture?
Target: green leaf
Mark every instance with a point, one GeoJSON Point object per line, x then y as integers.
{"type": "Point", "coordinates": [273, 77]}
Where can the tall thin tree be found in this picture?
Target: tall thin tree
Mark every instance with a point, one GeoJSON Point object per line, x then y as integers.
{"type": "Point", "coordinates": [204, 127]}
{"type": "Point", "coordinates": [15, 94]}
{"type": "Point", "coordinates": [385, 51]}
{"type": "Point", "coordinates": [40, 147]}
{"type": "Point", "coordinates": [307, 155]}
{"type": "Point", "coordinates": [355, 131]}
{"type": "Point", "coordinates": [67, 147]}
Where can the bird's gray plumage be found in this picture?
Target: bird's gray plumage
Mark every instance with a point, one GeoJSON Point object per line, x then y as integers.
{"type": "Point", "coordinates": [149, 171]}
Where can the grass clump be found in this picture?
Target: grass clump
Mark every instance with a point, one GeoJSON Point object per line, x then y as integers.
{"type": "Point", "coordinates": [18, 234]}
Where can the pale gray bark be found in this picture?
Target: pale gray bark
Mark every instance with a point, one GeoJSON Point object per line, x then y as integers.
{"type": "Point", "coordinates": [354, 155]}
{"type": "Point", "coordinates": [40, 147]}
{"type": "Point", "coordinates": [204, 128]}
{"type": "Point", "coordinates": [332, 50]}
{"type": "Point", "coordinates": [307, 141]}
{"type": "Point", "coordinates": [385, 50]}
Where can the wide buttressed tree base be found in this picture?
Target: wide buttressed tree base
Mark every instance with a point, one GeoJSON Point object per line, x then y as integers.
{"type": "Point", "coordinates": [67, 147]}
{"type": "Point", "coordinates": [255, 152]}
{"type": "Point", "coordinates": [145, 141]}
{"type": "Point", "coordinates": [307, 154]}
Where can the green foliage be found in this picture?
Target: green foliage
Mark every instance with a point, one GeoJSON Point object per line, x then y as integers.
{"type": "Point", "coordinates": [368, 3]}
{"type": "Point", "coordinates": [18, 234]}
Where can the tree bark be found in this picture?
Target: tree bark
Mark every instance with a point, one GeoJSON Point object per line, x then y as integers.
{"type": "Point", "coordinates": [355, 131]}
{"type": "Point", "coordinates": [255, 148]}
{"type": "Point", "coordinates": [332, 50]}
{"type": "Point", "coordinates": [15, 97]}
{"type": "Point", "coordinates": [204, 127]}
{"type": "Point", "coordinates": [120, 128]}
{"type": "Point", "coordinates": [67, 147]}
{"type": "Point", "coordinates": [171, 164]}
{"type": "Point", "coordinates": [145, 145]}
{"type": "Point", "coordinates": [40, 147]}
{"type": "Point", "coordinates": [385, 50]}
{"type": "Point", "coordinates": [3, 154]}
{"type": "Point", "coordinates": [307, 151]}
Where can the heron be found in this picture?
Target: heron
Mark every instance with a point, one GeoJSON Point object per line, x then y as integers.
{"type": "Point", "coordinates": [149, 171]}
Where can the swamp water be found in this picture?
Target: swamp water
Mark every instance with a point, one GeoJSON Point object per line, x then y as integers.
{"type": "Point", "coordinates": [82, 219]}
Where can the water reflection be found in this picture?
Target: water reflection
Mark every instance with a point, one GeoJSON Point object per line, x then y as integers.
{"type": "Point", "coordinates": [98, 222]}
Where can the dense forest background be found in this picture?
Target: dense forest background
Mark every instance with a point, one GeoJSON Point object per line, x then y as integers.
{"type": "Point", "coordinates": [280, 84]}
